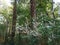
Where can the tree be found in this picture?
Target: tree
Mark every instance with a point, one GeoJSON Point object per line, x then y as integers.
{"type": "Point", "coordinates": [32, 12]}
{"type": "Point", "coordinates": [13, 23]}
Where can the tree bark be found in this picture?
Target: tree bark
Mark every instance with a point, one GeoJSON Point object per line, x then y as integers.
{"type": "Point", "coordinates": [32, 12]}
{"type": "Point", "coordinates": [13, 23]}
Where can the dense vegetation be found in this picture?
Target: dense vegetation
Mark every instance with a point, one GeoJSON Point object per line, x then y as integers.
{"type": "Point", "coordinates": [30, 22]}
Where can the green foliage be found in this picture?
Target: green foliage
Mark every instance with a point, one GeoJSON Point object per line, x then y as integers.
{"type": "Point", "coordinates": [48, 28]}
{"type": "Point", "coordinates": [2, 27]}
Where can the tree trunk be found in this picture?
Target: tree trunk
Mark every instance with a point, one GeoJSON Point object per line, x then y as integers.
{"type": "Point", "coordinates": [53, 10]}
{"type": "Point", "coordinates": [32, 12]}
{"type": "Point", "coordinates": [13, 23]}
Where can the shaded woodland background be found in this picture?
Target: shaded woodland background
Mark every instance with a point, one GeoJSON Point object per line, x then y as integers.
{"type": "Point", "coordinates": [30, 22]}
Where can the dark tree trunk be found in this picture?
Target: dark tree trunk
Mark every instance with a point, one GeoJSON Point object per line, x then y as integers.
{"type": "Point", "coordinates": [32, 12]}
{"type": "Point", "coordinates": [13, 23]}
